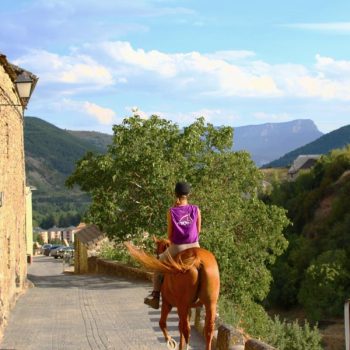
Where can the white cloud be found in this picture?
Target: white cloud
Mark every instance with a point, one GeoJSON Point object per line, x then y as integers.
{"type": "Point", "coordinates": [190, 75]}
{"type": "Point", "coordinates": [153, 60]}
{"type": "Point", "coordinates": [331, 67]}
{"type": "Point", "coordinates": [209, 73]}
{"type": "Point", "coordinates": [328, 79]}
{"type": "Point", "coordinates": [102, 115]}
{"type": "Point", "coordinates": [74, 69]}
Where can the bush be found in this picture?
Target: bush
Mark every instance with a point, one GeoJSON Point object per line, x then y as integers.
{"type": "Point", "coordinates": [280, 334]}
{"type": "Point", "coordinates": [117, 251]}
{"type": "Point", "coordinates": [247, 315]}
{"type": "Point", "coordinates": [292, 336]}
{"type": "Point", "coordinates": [323, 289]}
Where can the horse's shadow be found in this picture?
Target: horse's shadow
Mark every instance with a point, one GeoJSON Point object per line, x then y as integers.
{"type": "Point", "coordinates": [196, 341]}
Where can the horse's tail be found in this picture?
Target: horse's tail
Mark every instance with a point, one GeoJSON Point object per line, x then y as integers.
{"type": "Point", "coordinates": [181, 264]}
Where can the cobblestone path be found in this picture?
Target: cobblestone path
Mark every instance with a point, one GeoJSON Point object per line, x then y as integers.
{"type": "Point", "coordinates": [66, 311]}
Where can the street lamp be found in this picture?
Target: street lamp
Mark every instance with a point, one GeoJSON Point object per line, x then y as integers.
{"type": "Point", "coordinates": [24, 85]}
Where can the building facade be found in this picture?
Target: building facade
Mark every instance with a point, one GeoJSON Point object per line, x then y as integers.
{"type": "Point", "coordinates": [54, 234]}
{"type": "Point", "coordinates": [13, 249]}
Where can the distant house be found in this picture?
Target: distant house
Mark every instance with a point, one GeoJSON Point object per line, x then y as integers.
{"type": "Point", "coordinates": [42, 233]}
{"type": "Point", "coordinates": [302, 162]}
{"type": "Point", "coordinates": [63, 234]}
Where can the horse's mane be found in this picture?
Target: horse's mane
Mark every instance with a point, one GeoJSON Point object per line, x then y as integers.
{"type": "Point", "coordinates": [182, 262]}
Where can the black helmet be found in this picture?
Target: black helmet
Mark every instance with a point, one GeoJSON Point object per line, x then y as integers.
{"type": "Point", "coordinates": [182, 189]}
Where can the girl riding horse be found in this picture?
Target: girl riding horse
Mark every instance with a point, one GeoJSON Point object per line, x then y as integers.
{"type": "Point", "coordinates": [184, 226]}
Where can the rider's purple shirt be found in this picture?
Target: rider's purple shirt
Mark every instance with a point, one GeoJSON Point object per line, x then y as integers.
{"type": "Point", "coordinates": [184, 220]}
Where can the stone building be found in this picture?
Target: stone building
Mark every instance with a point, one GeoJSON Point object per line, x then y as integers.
{"type": "Point", "coordinates": [89, 240]}
{"type": "Point", "coordinates": [13, 249]}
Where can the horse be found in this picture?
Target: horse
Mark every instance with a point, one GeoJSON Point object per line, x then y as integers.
{"type": "Point", "coordinates": [191, 279]}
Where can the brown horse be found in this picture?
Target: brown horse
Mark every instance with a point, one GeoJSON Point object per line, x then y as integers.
{"type": "Point", "coordinates": [191, 279]}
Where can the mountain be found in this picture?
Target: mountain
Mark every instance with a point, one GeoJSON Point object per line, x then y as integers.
{"type": "Point", "coordinates": [266, 142]}
{"type": "Point", "coordinates": [50, 157]}
{"type": "Point", "coordinates": [51, 153]}
{"type": "Point", "coordinates": [99, 139]}
{"type": "Point", "coordinates": [336, 139]}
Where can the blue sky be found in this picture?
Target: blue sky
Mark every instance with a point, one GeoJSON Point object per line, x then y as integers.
{"type": "Point", "coordinates": [235, 63]}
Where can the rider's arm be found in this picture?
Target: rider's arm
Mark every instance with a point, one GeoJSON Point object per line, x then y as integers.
{"type": "Point", "coordinates": [199, 222]}
{"type": "Point", "coordinates": [170, 226]}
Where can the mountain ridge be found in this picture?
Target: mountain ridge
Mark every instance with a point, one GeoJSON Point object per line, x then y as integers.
{"type": "Point", "coordinates": [338, 138]}
{"type": "Point", "coordinates": [263, 141]}
{"type": "Point", "coordinates": [51, 154]}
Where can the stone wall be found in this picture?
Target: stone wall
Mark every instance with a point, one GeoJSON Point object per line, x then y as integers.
{"type": "Point", "coordinates": [13, 264]}
{"type": "Point", "coordinates": [108, 267]}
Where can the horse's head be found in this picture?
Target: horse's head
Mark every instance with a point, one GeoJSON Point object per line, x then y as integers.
{"type": "Point", "coordinates": [161, 245]}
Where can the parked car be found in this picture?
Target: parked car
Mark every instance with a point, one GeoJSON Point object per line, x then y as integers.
{"type": "Point", "coordinates": [45, 246]}
{"type": "Point", "coordinates": [48, 249]}
{"type": "Point", "coordinates": [54, 251]}
{"type": "Point", "coordinates": [65, 251]}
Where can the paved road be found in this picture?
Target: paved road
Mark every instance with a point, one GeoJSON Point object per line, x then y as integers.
{"type": "Point", "coordinates": [66, 311]}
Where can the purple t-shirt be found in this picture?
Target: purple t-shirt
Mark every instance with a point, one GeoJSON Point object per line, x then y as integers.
{"type": "Point", "coordinates": [184, 220]}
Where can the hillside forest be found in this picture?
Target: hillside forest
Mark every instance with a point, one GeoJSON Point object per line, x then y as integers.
{"type": "Point", "coordinates": [51, 154]}
{"type": "Point", "coordinates": [314, 271]}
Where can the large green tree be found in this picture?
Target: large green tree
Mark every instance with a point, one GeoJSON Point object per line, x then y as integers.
{"type": "Point", "coordinates": [132, 187]}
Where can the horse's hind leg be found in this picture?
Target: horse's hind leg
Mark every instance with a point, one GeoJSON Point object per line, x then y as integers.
{"type": "Point", "coordinates": [166, 308]}
{"type": "Point", "coordinates": [210, 314]}
{"type": "Point", "coordinates": [184, 327]}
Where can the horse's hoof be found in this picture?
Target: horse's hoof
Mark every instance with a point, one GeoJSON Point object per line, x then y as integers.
{"type": "Point", "coordinates": [171, 344]}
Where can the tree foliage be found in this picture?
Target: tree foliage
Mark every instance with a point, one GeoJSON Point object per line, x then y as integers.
{"type": "Point", "coordinates": [327, 276]}
{"type": "Point", "coordinates": [317, 203]}
{"type": "Point", "coordinates": [132, 188]}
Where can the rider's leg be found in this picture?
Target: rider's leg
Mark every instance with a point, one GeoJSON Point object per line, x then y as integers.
{"type": "Point", "coordinates": [153, 299]}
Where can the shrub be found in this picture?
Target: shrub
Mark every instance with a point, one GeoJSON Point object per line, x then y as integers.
{"type": "Point", "coordinates": [323, 289]}
{"type": "Point", "coordinates": [292, 336]}
{"type": "Point", "coordinates": [280, 334]}
{"type": "Point", "coordinates": [116, 251]}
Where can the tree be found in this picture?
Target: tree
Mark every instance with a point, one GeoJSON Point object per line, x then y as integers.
{"type": "Point", "coordinates": [132, 187]}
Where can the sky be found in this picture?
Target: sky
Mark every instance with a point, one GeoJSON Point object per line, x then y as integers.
{"type": "Point", "coordinates": [234, 62]}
